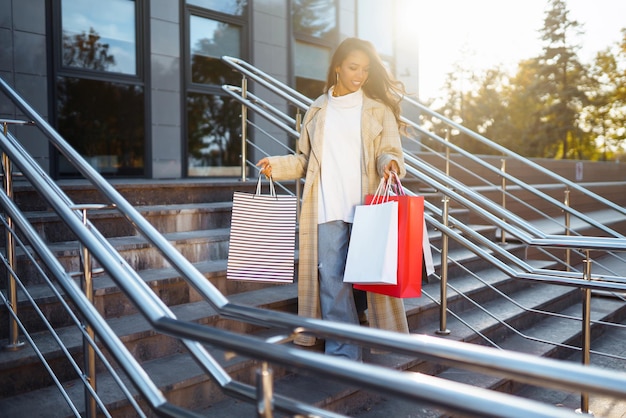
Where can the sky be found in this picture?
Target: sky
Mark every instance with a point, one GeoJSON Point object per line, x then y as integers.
{"type": "Point", "coordinates": [501, 32]}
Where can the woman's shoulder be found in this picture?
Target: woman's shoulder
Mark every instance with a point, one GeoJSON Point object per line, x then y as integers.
{"type": "Point", "coordinates": [317, 104]}
{"type": "Point", "coordinates": [320, 101]}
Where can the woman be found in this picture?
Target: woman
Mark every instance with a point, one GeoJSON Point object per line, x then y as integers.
{"type": "Point", "coordinates": [350, 139]}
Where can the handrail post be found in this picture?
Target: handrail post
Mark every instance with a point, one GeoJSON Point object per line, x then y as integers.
{"type": "Point", "coordinates": [265, 392]}
{"type": "Point", "coordinates": [443, 290]}
{"type": "Point", "coordinates": [14, 343]}
{"type": "Point", "coordinates": [567, 228]}
{"type": "Point", "coordinates": [89, 354]}
{"type": "Point", "coordinates": [586, 329]}
{"type": "Point", "coordinates": [244, 127]}
{"type": "Point", "coordinates": [503, 170]}
{"type": "Point", "coordinates": [447, 153]}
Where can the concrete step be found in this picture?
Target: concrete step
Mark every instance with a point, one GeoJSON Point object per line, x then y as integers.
{"type": "Point", "coordinates": [343, 398]}
{"type": "Point", "coordinates": [136, 333]}
{"type": "Point", "coordinates": [196, 246]}
{"type": "Point", "coordinates": [138, 336]}
{"type": "Point", "coordinates": [140, 192]}
{"type": "Point", "coordinates": [111, 223]}
{"type": "Point", "coordinates": [611, 341]}
{"type": "Point", "coordinates": [207, 249]}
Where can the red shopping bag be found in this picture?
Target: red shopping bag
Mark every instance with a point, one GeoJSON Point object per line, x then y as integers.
{"type": "Point", "coordinates": [411, 266]}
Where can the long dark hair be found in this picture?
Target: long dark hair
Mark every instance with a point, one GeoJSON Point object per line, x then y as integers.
{"type": "Point", "coordinates": [380, 85]}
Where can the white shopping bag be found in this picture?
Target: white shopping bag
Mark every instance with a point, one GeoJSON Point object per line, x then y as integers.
{"type": "Point", "coordinates": [373, 250]}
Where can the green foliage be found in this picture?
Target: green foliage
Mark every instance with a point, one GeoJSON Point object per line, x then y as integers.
{"type": "Point", "coordinates": [553, 106]}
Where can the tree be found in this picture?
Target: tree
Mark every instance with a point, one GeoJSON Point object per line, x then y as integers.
{"type": "Point", "coordinates": [86, 51]}
{"type": "Point", "coordinates": [559, 86]}
{"type": "Point", "coordinates": [522, 112]}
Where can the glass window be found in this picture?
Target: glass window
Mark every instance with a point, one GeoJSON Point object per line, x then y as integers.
{"type": "Point", "coordinates": [233, 7]}
{"type": "Point", "coordinates": [104, 122]}
{"type": "Point", "coordinates": [317, 18]}
{"type": "Point", "coordinates": [214, 143]}
{"type": "Point", "coordinates": [213, 120]}
{"type": "Point", "coordinates": [311, 62]}
{"type": "Point", "coordinates": [99, 35]}
{"type": "Point", "coordinates": [209, 40]}
{"type": "Point", "coordinates": [375, 23]}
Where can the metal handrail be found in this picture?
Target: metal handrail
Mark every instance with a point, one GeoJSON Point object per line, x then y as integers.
{"type": "Point", "coordinates": [524, 186]}
{"type": "Point", "coordinates": [514, 225]}
{"type": "Point", "coordinates": [553, 373]}
{"type": "Point", "coordinates": [159, 315]}
{"type": "Point", "coordinates": [505, 151]}
{"type": "Point", "coordinates": [297, 99]}
{"type": "Point", "coordinates": [531, 236]}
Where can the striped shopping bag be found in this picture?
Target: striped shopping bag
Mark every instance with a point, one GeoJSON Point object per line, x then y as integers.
{"type": "Point", "coordinates": [262, 236]}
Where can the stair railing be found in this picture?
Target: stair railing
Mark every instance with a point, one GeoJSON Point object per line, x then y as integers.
{"type": "Point", "coordinates": [7, 181]}
{"type": "Point", "coordinates": [457, 397]}
{"type": "Point", "coordinates": [494, 213]}
{"type": "Point", "coordinates": [408, 385]}
{"type": "Point", "coordinates": [497, 214]}
{"type": "Point", "coordinates": [500, 150]}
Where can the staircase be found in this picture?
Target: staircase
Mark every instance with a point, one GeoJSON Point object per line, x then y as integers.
{"type": "Point", "coordinates": [195, 215]}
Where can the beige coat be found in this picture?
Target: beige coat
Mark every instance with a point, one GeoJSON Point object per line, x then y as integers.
{"type": "Point", "coordinates": [380, 144]}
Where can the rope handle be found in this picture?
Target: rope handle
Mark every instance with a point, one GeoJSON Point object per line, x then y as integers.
{"type": "Point", "coordinates": [383, 192]}
{"type": "Point", "coordinates": [272, 188]}
{"type": "Point", "coordinates": [397, 187]}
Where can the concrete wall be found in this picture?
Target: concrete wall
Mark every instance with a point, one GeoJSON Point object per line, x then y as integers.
{"type": "Point", "coordinates": [573, 170]}
{"type": "Point", "coordinates": [23, 66]}
{"type": "Point", "coordinates": [165, 141]}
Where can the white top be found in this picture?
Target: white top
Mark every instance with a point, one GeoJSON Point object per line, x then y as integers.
{"type": "Point", "coordinates": [340, 183]}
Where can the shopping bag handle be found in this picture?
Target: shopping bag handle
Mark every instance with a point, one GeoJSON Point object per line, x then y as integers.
{"type": "Point", "coordinates": [397, 187]}
{"type": "Point", "coordinates": [272, 188]}
{"type": "Point", "coordinates": [383, 192]}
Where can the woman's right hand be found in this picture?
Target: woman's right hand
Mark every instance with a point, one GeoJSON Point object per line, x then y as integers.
{"type": "Point", "coordinates": [266, 167]}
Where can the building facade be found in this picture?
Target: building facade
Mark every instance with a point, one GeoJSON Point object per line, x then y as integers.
{"type": "Point", "coordinates": [135, 85]}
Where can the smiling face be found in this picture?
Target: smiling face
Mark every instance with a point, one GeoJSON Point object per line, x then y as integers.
{"type": "Point", "coordinates": [352, 73]}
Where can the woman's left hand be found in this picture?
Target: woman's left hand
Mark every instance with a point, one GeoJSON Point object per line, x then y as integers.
{"type": "Point", "coordinates": [391, 167]}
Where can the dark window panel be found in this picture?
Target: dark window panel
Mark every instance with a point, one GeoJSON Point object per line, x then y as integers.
{"type": "Point", "coordinates": [104, 122]}
{"type": "Point", "coordinates": [214, 129]}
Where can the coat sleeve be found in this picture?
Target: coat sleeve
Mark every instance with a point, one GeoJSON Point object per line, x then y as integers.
{"type": "Point", "coordinates": [390, 145]}
{"type": "Point", "coordinates": [294, 166]}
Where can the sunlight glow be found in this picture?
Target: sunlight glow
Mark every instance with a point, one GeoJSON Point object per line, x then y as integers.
{"type": "Point", "coordinates": [483, 34]}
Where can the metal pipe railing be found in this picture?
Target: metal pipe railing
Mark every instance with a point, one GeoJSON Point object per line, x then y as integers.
{"type": "Point", "coordinates": [550, 372]}
{"type": "Point", "coordinates": [524, 186]}
{"type": "Point", "coordinates": [89, 353]}
{"type": "Point", "coordinates": [303, 102]}
{"type": "Point", "coordinates": [544, 239]}
{"type": "Point", "coordinates": [295, 98]}
{"type": "Point", "coordinates": [164, 321]}
{"type": "Point", "coordinates": [499, 149]}
{"type": "Point", "coordinates": [14, 342]}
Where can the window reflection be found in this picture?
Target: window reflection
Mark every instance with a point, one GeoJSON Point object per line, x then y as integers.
{"type": "Point", "coordinates": [315, 18]}
{"type": "Point", "coordinates": [104, 122]}
{"type": "Point", "coordinates": [233, 7]}
{"type": "Point", "coordinates": [214, 144]}
{"type": "Point", "coordinates": [209, 41]}
{"type": "Point", "coordinates": [311, 62]}
{"type": "Point", "coordinates": [99, 35]}
{"type": "Point", "coordinates": [374, 21]}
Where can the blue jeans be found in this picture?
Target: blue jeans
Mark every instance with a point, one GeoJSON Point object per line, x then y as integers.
{"type": "Point", "coordinates": [336, 298]}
